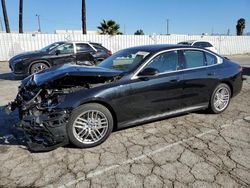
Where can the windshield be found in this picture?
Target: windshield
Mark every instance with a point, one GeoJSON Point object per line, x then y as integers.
{"type": "Point", "coordinates": [124, 60]}
{"type": "Point", "coordinates": [50, 47]}
{"type": "Point", "coordinates": [185, 43]}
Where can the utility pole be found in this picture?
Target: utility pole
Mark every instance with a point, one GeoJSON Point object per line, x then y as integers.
{"type": "Point", "coordinates": [38, 21]}
{"type": "Point", "coordinates": [1, 24]}
{"type": "Point", "coordinates": [21, 16]}
{"type": "Point", "coordinates": [167, 26]}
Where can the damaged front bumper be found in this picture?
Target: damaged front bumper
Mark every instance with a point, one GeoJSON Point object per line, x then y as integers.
{"type": "Point", "coordinates": [47, 131]}
{"type": "Point", "coordinates": [42, 121]}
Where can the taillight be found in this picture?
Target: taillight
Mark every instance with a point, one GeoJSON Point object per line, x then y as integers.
{"type": "Point", "coordinates": [109, 52]}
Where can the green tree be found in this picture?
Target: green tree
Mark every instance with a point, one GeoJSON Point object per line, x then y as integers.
{"type": "Point", "coordinates": [84, 28]}
{"type": "Point", "coordinates": [109, 27]}
{"type": "Point", "coordinates": [20, 16]}
{"type": "Point", "coordinates": [5, 15]}
{"type": "Point", "coordinates": [139, 32]}
{"type": "Point", "coordinates": [240, 26]}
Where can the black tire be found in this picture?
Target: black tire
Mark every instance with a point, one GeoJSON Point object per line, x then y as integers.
{"type": "Point", "coordinates": [37, 67]}
{"type": "Point", "coordinates": [80, 112]}
{"type": "Point", "coordinates": [213, 107]}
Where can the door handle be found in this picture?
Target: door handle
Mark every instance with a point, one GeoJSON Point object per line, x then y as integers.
{"type": "Point", "coordinates": [175, 80]}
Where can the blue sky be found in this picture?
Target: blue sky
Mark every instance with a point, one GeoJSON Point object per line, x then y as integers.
{"type": "Point", "coordinates": [186, 16]}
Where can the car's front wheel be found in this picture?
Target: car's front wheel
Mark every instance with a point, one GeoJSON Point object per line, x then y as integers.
{"type": "Point", "coordinates": [89, 125]}
{"type": "Point", "coordinates": [220, 98]}
{"type": "Point", "coordinates": [37, 67]}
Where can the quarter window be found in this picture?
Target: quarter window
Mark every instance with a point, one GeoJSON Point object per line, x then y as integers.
{"type": "Point", "coordinates": [210, 59]}
{"type": "Point", "coordinates": [165, 62]}
{"type": "Point", "coordinates": [82, 47]}
{"type": "Point", "coordinates": [194, 58]}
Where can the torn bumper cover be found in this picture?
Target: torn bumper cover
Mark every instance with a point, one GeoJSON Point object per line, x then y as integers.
{"type": "Point", "coordinates": [46, 131]}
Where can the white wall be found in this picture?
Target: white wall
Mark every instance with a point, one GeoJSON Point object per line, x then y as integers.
{"type": "Point", "coordinates": [14, 43]}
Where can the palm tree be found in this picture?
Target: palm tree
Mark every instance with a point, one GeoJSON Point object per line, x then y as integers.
{"type": "Point", "coordinates": [5, 15]}
{"type": "Point", "coordinates": [240, 26]}
{"type": "Point", "coordinates": [84, 28]}
{"type": "Point", "coordinates": [109, 27]}
{"type": "Point", "coordinates": [20, 16]}
{"type": "Point", "coordinates": [139, 32]}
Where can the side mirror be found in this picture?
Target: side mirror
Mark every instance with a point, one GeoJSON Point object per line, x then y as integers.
{"type": "Point", "coordinates": [148, 72]}
{"type": "Point", "coordinates": [57, 52]}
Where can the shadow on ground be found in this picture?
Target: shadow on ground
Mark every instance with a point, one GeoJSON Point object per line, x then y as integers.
{"type": "Point", "coordinates": [10, 76]}
{"type": "Point", "coordinates": [9, 133]}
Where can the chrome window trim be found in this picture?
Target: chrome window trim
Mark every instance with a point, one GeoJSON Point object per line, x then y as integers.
{"type": "Point", "coordinates": [219, 61]}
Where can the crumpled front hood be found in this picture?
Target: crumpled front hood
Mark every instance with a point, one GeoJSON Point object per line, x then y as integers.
{"type": "Point", "coordinates": [80, 73]}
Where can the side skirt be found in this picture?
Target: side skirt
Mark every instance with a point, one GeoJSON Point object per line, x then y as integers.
{"type": "Point", "coordinates": [163, 115]}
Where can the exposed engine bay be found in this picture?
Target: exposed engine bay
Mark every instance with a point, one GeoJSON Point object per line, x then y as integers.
{"type": "Point", "coordinates": [39, 99]}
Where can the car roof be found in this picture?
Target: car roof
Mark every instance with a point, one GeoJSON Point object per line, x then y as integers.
{"type": "Point", "coordinates": [193, 41]}
{"type": "Point", "coordinates": [76, 42]}
{"type": "Point", "coordinates": [73, 42]}
{"type": "Point", "coordinates": [160, 47]}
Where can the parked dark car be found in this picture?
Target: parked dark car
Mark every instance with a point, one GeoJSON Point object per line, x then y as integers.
{"type": "Point", "coordinates": [136, 85]}
{"type": "Point", "coordinates": [82, 53]}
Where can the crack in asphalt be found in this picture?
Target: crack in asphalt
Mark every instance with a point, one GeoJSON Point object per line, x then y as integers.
{"type": "Point", "coordinates": [100, 172]}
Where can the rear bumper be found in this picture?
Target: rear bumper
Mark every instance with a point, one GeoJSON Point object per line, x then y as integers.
{"type": "Point", "coordinates": [237, 84]}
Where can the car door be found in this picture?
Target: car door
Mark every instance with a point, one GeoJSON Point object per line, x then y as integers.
{"type": "Point", "coordinates": [63, 54]}
{"type": "Point", "coordinates": [154, 95]}
{"type": "Point", "coordinates": [84, 53]}
{"type": "Point", "coordinates": [199, 79]}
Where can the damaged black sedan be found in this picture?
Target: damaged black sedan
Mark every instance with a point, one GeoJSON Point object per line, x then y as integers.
{"type": "Point", "coordinates": [82, 105]}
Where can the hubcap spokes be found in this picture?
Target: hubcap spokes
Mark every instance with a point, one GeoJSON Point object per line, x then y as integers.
{"type": "Point", "coordinates": [90, 127]}
{"type": "Point", "coordinates": [39, 68]}
{"type": "Point", "coordinates": [221, 98]}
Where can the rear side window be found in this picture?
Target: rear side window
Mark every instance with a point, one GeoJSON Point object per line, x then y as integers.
{"type": "Point", "coordinates": [80, 47]}
{"type": "Point", "coordinates": [99, 47]}
{"type": "Point", "coordinates": [165, 62]}
{"type": "Point", "coordinates": [193, 58]}
{"type": "Point", "coordinates": [210, 59]}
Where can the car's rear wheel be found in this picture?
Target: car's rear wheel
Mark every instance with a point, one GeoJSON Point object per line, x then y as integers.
{"type": "Point", "coordinates": [89, 125]}
{"type": "Point", "coordinates": [37, 67]}
{"type": "Point", "coordinates": [220, 98]}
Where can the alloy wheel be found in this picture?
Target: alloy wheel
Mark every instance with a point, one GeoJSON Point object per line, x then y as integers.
{"type": "Point", "coordinates": [221, 98]}
{"type": "Point", "coordinates": [90, 127]}
{"type": "Point", "coordinates": [39, 67]}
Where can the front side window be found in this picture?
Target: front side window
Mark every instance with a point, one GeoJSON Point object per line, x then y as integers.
{"type": "Point", "coordinates": [165, 62]}
{"type": "Point", "coordinates": [65, 48]}
{"type": "Point", "coordinates": [193, 58]}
